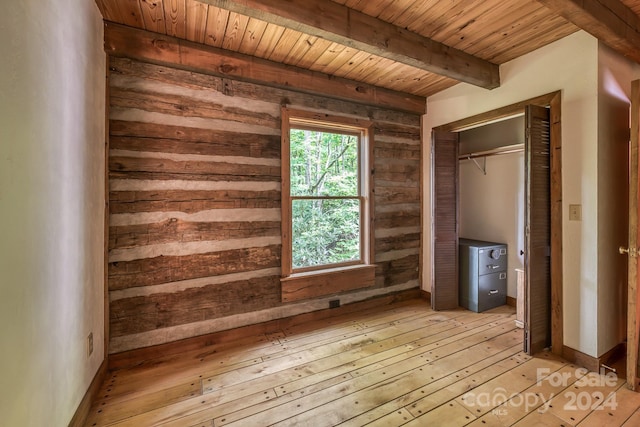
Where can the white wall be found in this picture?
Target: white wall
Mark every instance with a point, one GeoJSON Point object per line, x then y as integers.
{"type": "Point", "coordinates": [492, 206]}
{"type": "Point", "coordinates": [570, 65]}
{"type": "Point", "coordinates": [51, 207]}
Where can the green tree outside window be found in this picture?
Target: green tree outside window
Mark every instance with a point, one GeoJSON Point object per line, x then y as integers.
{"type": "Point", "coordinates": [325, 196]}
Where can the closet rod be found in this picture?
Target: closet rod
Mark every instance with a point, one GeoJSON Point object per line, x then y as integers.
{"type": "Point", "coordinates": [516, 148]}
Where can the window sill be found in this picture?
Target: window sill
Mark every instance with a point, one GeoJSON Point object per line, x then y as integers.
{"type": "Point", "coordinates": [313, 284]}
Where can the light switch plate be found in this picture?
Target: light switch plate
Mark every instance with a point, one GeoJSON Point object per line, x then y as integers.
{"type": "Point", "coordinates": [575, 212]}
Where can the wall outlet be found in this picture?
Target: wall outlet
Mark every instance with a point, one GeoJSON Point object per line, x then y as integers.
{"type": "Point", "coordinates": [90, 344]}
{"type": "Point", "coordinates": [334, 303]}
{"type": "Point", "coordinates": [575, 212]}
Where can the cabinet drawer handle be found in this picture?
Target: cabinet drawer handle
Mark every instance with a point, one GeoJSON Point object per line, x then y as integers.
{"type": "Point", "coordinates": [493, 291]}
{"type": "Point", "coordinates": [493, 266]}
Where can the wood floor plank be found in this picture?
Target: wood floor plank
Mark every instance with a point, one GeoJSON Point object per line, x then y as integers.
{"type": "Point", "coordinates": [173, 414]}
{"type": "Point", "coordinates": [158, 381]}
{"type": "Point", "coordinates": [145, 403]}
{"type": "Point", "coordinates": [468, 377]}
{"type": "Point", "coordinates": [535, 398]}
{"type": "Point", "coordinates": [242, 414]}
{"type": "Point", "coordinates": [420, 392]}
{"type": "Point", "coordinates": [575, 402]}
{"type": "Point", "coordinates": [585, 395]}
{"type": "Point", "coordinates": [238, 392]}
{"type": "Point", "coordinates": [450, 414]}
{"type": "Point", "coordinates": [245, 345]}
{"type": "Point", "coordinates": [351, 339]}
{"type": "Point", "coordinates": [191, 365]}
{"type": "Point", "coordinates": [231, 359]}
{"type": "Point", "coordinates": [616, 410]}
{"type": "Point", "coordinates": [299, 325]}
{"type": "Point", "coordinates": [302, 331]}
{"type": "Point", "coordinates": [457, 389]}
{"type": "Point", "coordinates": [304, 361]}
{"type": "Point", "coordinates": [633, 420]}
{"type": "Point", "coordinates": [371, 388]}
{"type": "Point", "coordinates": [430, 350]}
{"type": "Point", "coordinates": [541, 419]}
{"type": "Point", "coordinates": [248, 390]}
{"type": "Point", "coordinates": [396, 418]}
{"type": "Point", "coordinates": [502, 388]}
{"type": "Point", "coordinates": [415, 321]}
{"type": "Point", "coordinates": [390, 340]}
{"type": "Point", "coordinates": [401, 365]}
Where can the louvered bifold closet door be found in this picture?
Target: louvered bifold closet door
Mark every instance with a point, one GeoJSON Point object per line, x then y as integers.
{"type": "Point", "coordinates": [444, 290]}
{"type": "Point", "coordinates": [537, 261]}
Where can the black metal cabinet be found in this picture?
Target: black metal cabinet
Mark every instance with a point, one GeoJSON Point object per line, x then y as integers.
{"type": "Point", "coordinates": [483, 274]}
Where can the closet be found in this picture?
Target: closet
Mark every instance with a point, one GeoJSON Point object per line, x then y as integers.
{"type": "Point", "coordinates": [535, 192]}
{"type": "Point", "coordinates": [491, 191]}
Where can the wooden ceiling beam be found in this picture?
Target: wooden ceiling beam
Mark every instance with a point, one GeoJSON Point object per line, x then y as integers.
{"type": "Point", "coordinates": [340, 24]}
{"type": "Point", "coordinates": [127, 42]}
{"type": "Point", "coordinates": [615, 24]}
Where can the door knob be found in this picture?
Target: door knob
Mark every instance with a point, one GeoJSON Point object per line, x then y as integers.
{"type": "Point", "coordinates": [633, 252]}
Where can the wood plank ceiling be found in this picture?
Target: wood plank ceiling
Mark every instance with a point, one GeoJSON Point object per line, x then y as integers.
{"type": "Point", "coordinates": [489, 32]}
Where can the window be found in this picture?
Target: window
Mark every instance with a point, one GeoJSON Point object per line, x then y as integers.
{"type": "Point", "coordinates": [326, 203]}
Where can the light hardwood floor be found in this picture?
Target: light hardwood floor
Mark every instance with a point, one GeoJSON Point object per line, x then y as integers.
{"type": "Point", "coordinates": [403, 364]}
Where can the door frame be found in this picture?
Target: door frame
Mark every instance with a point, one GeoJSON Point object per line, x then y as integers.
{"type": "Point", "coordinates": [553, 101]}
{"type": "Point", "coordinates": [633, 305]}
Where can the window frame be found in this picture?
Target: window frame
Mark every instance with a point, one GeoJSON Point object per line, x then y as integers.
{"type": "Point", "coordinates": [323, 122]}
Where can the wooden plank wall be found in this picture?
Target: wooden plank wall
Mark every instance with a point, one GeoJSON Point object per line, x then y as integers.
{"type": "Point", "coordinates": [194, 196]}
